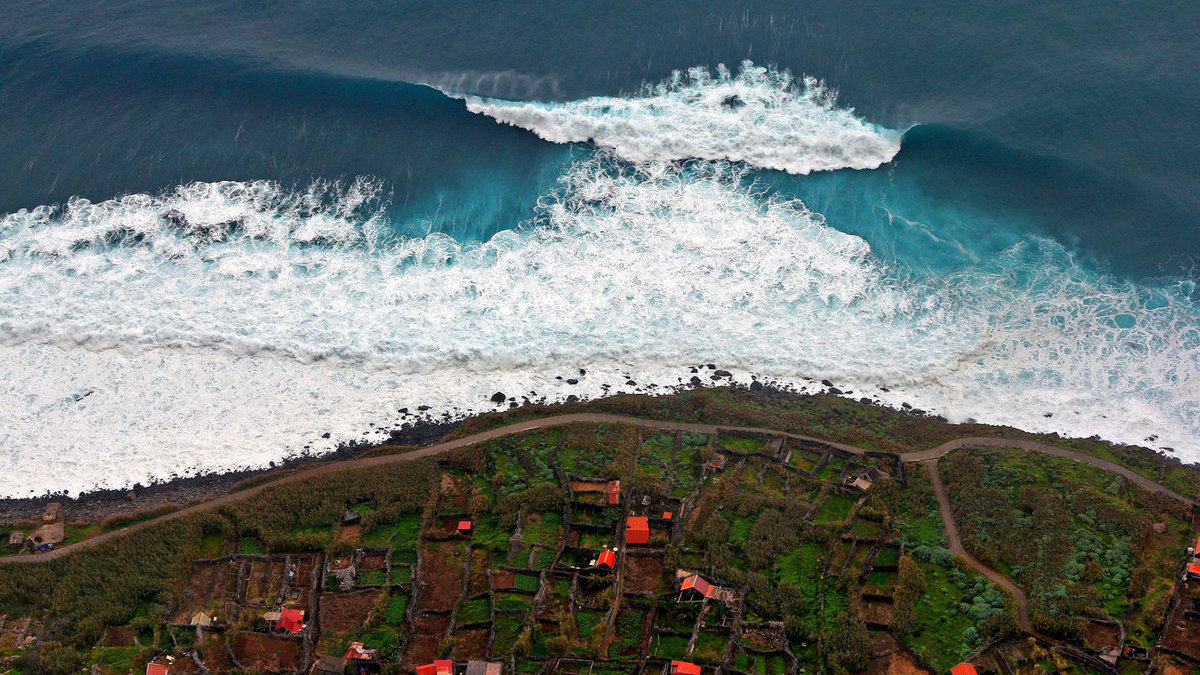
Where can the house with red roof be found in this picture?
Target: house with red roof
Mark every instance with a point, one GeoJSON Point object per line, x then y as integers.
{"type": "Point", "coordinates": [153, 668]}
{"type": "Point", "coordinates": [637, 530]}
{"type": "Point", "coordinates": [290, 620]}
{"type": "Point", "coordinates": [684, 668]}
{"type": "Point", "coordinates": [695, 587]}
{"type": "Point", "coordinates": [607, 559]}
{"type": "Point", "coordinates": [439, 667]}
{"type": "Point", "coordinates": [963, 669]}
{"type": "Point", "coordinates": [357, 651]}
{"type": "Point", "coordinates": [465, 526]}
{"type": "Point", "coordinates": [614, 492]}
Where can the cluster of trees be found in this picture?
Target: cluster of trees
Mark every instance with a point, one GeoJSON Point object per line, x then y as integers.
{"type": "Point", "coordinates": [1068, 541]}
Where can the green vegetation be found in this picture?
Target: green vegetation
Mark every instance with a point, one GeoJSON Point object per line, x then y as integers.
{"type": "Point", "coordinates": [782, 547]}
{"type": "Point", "coordinates": [1072, 535]}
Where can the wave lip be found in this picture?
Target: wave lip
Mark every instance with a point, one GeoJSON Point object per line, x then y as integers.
{"type": "Point", "coordinates": [764, 117]}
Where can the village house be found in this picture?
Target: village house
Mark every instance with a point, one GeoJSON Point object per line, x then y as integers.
{"type": "Point", "coordinates": [1193, 562]}
{"type": "Point", "coordinates": [439, 667]}
{"type": "Point", "coordinates": [864, 477]}
{"type": "Point", "coordinates": [637, 530]}
{"type": "Point", "coordinates": [328, 665]}
{"type": "Point", "coordinates": [351, 517]}
{"type": "Point", "coordinates": [963, 669]}
{"type": "Point", "coordinates": [484, 668]}
{"type": "Point", "coordinates": [202, 620]}
{"type": "Point", "coordinates": [16, 539]}
{"type": "Point", "coordinates": [684, 668]}
{"type": "Point", "coordinates": [290, 620]}
{"type": "Point", "coordinates": [607, 559]}
{"type": "Point", "coordinates": [614, 492]}
{"type": "Point", "coordinates": [695, 588]}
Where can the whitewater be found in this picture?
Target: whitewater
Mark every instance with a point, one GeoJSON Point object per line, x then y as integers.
{"type": "Point", "coordinates": [227, 325]}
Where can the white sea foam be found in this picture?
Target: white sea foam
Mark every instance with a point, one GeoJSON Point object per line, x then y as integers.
{"type": "Point", "coordinates": [760, 116]}
{"type": "Point", "coordinates": [227, 325]}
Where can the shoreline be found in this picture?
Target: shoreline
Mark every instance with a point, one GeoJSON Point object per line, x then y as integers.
{"type": "Point", "coordinates": [96, 505]}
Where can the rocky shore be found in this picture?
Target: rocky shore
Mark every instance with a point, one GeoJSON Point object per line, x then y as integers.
{"type": "Point", "coordinates": [100, 504]}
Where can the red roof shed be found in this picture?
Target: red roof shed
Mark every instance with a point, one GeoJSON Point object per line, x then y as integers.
{"type": "Point", "coordinates": [614, 492]}
{"type": "Point", "coordinates": [1193, 568]}
{"type": "Point", "coordinates": [464, 526]}
{"type": "Point", "coordinates": [156, 669]}
{"type": "Point", "coordinates": [667, 515]}
{"type": "Point", "coordinates": [684, 668]}
{"type": "Point", "coordinates": [637, 530]}
{"type": "Point", "coordinates": [291, 620]}
{"type": "Point", "coordinates": [963, 669]}
{"type": "Point", "coordinates": [697, 583]}
{"type": "Point", "coordinates": [439, 667]}
{"type": "Point", "coordinates": [607, 559]}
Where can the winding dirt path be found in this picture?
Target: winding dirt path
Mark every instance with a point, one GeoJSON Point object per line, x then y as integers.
{"type": "Point", "coordinates": [956, 547]}
{"type": "Point", "coordinates": [298, 474]}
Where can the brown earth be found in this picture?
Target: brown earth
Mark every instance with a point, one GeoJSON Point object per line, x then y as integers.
{"type": "Point", "coordinates": [442, 571]}
{"type": "Point", "coordinates": [118, 636]}
{"type": "Point", "coordinates": [470, 644]}
{"type": "Point", "coordinates": [645, 573]}
{"type": "Point", "coordinates": [347, 612]}
{"type": "Point", "coordinates": [265, 653]}
{"type": "Point", "coordinates": [428, 632]}
{"type": "Point", "coordinates": [211, 588]}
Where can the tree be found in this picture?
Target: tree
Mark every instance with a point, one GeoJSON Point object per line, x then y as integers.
{"type": "Point", "coordinates": [847, 644]}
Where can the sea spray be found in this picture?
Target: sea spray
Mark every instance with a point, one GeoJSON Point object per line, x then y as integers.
{"type": "Point", "coordinates": [227, 325]}
{"type": "Point", "coordinates": [761, 116]}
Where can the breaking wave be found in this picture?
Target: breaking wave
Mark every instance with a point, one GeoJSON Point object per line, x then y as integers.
{"type": "Point", "coordinates": [761, 116]}
{"type": "Point", "coordinates": [224, 325]}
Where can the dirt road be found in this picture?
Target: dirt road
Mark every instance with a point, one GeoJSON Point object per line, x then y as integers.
{"type": "Point", "coordinates": [560, 420]}
{"type": "Point", "coordinates": [956, 547]}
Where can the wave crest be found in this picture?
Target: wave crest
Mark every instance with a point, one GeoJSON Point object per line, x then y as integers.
{"type": "Point", "coordinates": [251, 342]}
{"type": "Point", "coordinates": [764, 117]}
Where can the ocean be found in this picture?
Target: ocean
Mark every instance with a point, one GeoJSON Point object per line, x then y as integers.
{"type": "Point", "coordinates": [231, 233]}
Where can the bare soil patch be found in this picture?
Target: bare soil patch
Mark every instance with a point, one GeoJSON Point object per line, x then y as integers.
{"type": "Point", "coordinates": [645, 574]}
{"type": "Point", "coordinates": [502, 579]}
{"type": "Point", "coordinates": [875, 611]}
{"type": "Point", "coordinates": [442, 570]}
{"type": "Point", "coordinates": [1102, 636]}
{"type": "Point", "coordinates": [118, 636]}
{"type": "Point", "coordinates": [350, 534]}
{"type": "Point", "coordinates": [428, 631]}
{"type": "Point", "coordinates": [265, 653]}
{"type": "Point", "coordinates": [214, 655]}
{"type": "Point", "coordinates": [210, 588]}
{"type": "Point", "coordinates": [372, 561]}
{"type": "Point", "coordinates": [347, 612]}
{"type": "Point", "coordinates": [470, 644]}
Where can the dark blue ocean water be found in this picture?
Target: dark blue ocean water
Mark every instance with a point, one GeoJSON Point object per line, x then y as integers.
{"type": "Point", "coordinates": [1027, 256]}
{"type": "Point", "coordinates": [1077, 122]}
